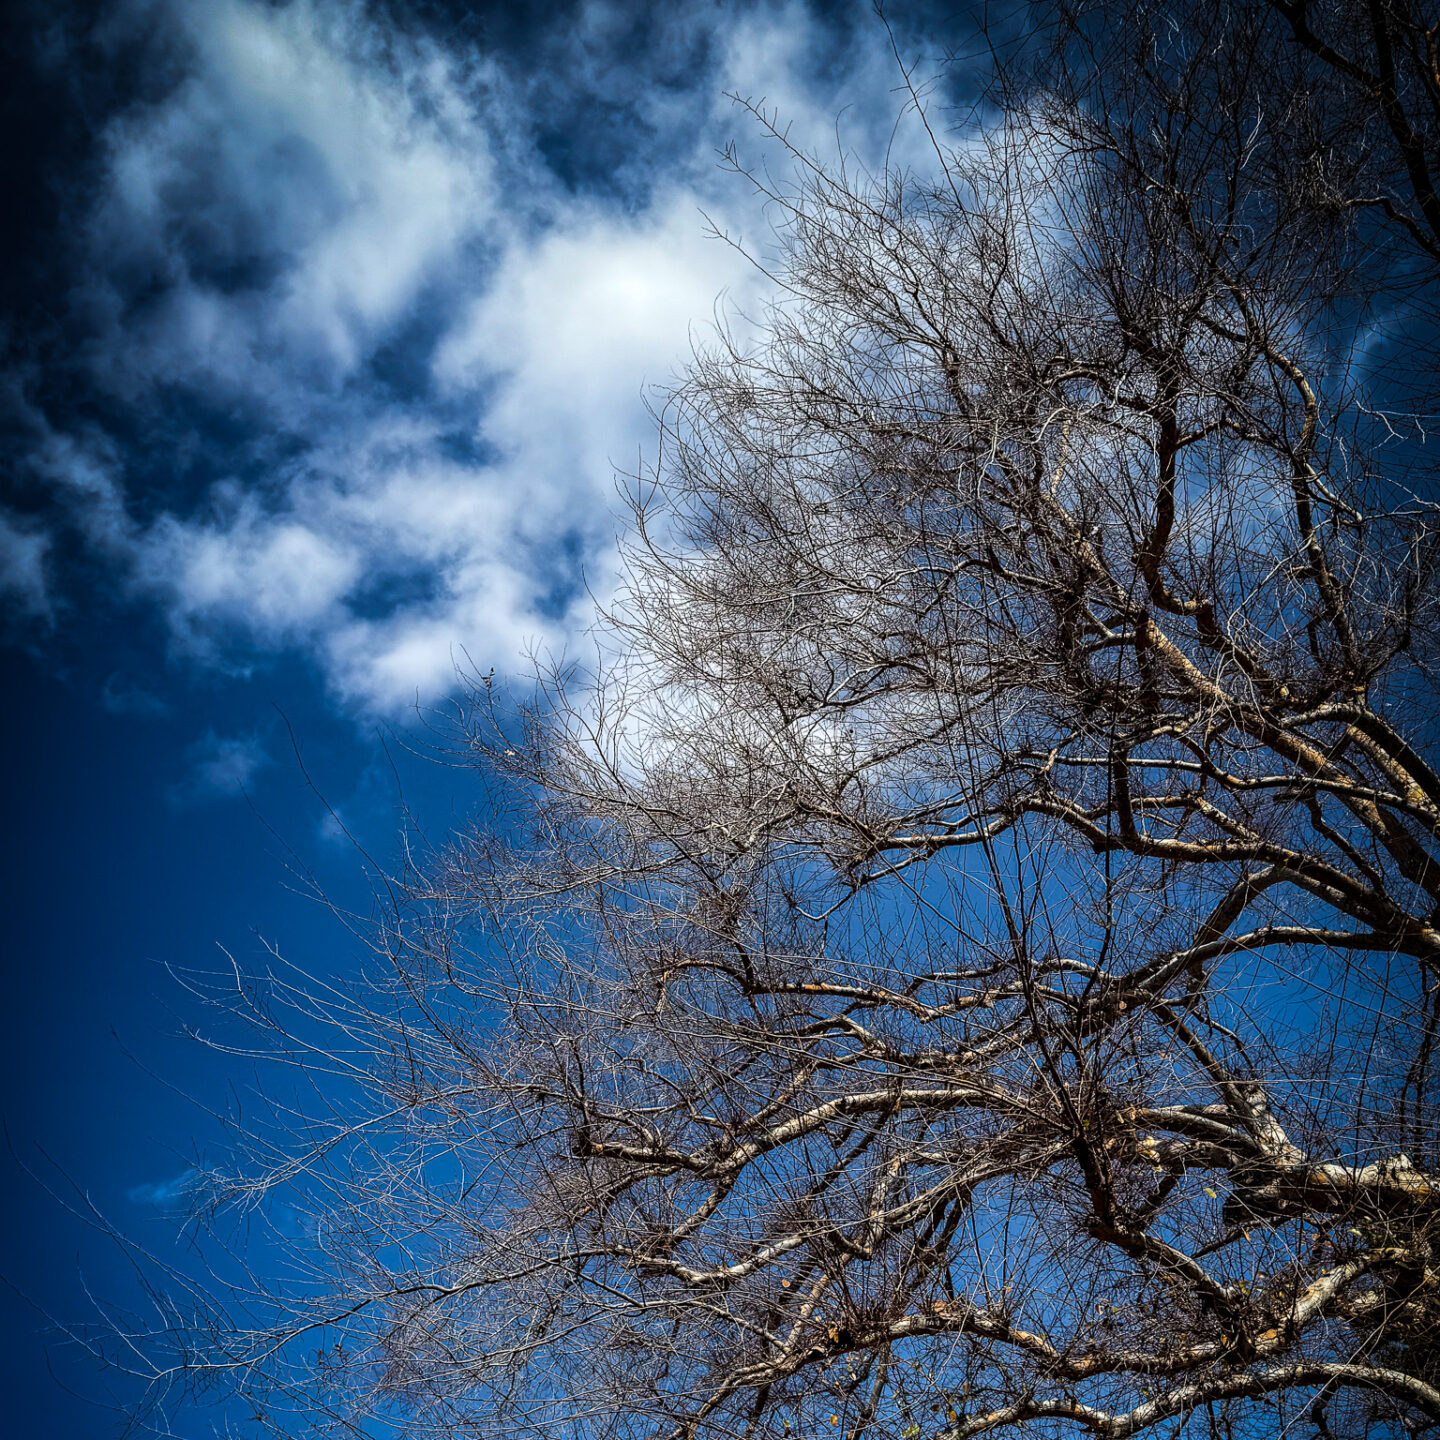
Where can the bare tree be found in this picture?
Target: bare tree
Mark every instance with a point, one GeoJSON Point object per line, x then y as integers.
{"type": "Point", "coordinates": [1379, 113]}
{"type": "Point", "coordinates": [968, 960]}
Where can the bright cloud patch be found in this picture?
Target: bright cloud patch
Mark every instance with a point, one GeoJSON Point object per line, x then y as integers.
{"type": "Point", "coordinates": [378, 363]}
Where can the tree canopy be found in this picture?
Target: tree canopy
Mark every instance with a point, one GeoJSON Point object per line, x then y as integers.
{"type": "Point", "coordinates": [966, 958]}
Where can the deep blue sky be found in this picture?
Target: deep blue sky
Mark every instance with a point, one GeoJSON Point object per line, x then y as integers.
{"type": "Point", "coordinates": [325, 327]}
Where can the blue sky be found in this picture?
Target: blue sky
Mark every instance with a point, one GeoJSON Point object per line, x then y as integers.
{"type": "Point", "coordinates": [327, 327]}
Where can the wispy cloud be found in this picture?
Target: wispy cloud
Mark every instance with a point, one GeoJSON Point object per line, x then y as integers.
{"type": "Point", "coordinates": [23, 581]}
{"type": "Point", "coordinates": [380, 320]}
{"type": "Point", "coordinates": [219, 766]}
{"type": "Point", "coordinates": [122, 696]}
{"type": "Point", "coordinates": [170, 1194]}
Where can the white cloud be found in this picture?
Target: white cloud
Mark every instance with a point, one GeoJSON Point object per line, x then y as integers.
{"type": "Point", "coordinates": [84, 471]}
{"type": "Point", "coordinates": [279, 575]}
{"type": "Point", "coordinates": [321, 202]}
{"type": "Point", "coordinates": [295, 146]}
